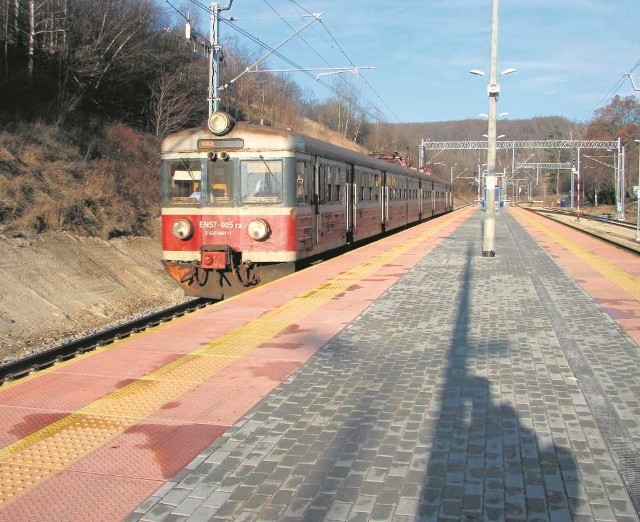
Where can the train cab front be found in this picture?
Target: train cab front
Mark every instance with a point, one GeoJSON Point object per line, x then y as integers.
{"type": "Point", "coordinates": [224, 229]}
{"type": "Point", "coordinates": [216, 270]}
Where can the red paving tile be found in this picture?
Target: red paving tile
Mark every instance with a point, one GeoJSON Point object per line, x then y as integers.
{"type": "Point", "coordinates": [159, 449]}
{"type": "Point", "coordinates": [102, 498]}
{"type": "Point", "coordinates": [122, 362]}
{"type": "Point", "coordinates": [223, 402]}
{"type": "Point", "coordinates": [59, 392]}
{"type": "Point", "coordinates": [17, 423]}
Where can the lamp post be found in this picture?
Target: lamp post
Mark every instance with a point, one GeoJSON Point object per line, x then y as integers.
{"type": "Point", "coordinates": [493, 90]}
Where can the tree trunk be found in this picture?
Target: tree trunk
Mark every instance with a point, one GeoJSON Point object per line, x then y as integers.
{"type": "Point", "coordinates": [31, 41]}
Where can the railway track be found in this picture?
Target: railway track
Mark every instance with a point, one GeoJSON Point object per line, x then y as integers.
{"type": "Point", "coordinates": [68, 349]}
{"type": "Point", "coordinates": [619, 233]}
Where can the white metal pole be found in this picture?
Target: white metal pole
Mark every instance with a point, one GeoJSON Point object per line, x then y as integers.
{"type": "Point", "coordinates": [623, 163]}
{"type": "Point", "coordinates": [578, 184]}
{"type": "Point", "coordinates": [638, 196]}
{"type": "Point", "coordinates": [616, 169]}
{"type": "Point", "coordinates": [489, 229]}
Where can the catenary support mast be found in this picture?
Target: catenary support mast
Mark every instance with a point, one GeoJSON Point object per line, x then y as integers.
{"type": "Point", "coordinates": [215, 54]}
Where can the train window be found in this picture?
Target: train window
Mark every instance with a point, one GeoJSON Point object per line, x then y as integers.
{"type": "Point", "coordinates": [301, 186]}
{"type": "Point", "coordinates": [337, 194]}
{"type": "Point", "coordinates": [183, 180]}
{"type": "Point", "coordinates": [219, 179]}
{"type": "Point", "coordinates": [327, 189]}
{"type": "Point", "coordinates": [261, 181]}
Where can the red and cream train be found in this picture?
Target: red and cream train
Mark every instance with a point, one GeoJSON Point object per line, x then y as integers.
{"type": "Point", "coordinates": [242, 204]}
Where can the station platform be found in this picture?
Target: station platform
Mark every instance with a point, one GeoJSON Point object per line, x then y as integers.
{"type": "Point", "coordinates": [410, 379]}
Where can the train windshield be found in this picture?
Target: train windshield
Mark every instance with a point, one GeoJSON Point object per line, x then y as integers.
{"type": "Point", "coordinates": [184, 182]}
{"type": "Point", "coordinates": [261, 181]}
{"type": "Point", "coordinates": [197, 182]}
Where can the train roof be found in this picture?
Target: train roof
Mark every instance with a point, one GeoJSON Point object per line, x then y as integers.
{"type": "Point", "coordinates": [262, 137]}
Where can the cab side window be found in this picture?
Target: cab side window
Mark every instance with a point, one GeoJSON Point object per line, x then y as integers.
{"type": "Point", "coordinates": [301, 180]}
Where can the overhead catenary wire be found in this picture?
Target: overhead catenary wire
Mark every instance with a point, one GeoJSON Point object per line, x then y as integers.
{"type": "Point", "coordinates": [229, 23]}
{"type": "Point", "coordinates": [281, 56]}
{"type": "Point", "coordinates": [614, 90]}
{"type": "Point", "coordinates": [262, 44]}
{"type": "Point", "coordinates": [351, 62]}
{"type": "Point", "coordinates": [319, 55]}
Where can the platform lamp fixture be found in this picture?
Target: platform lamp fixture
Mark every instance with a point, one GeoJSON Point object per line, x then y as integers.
{"type": "Point", "coordinates": [486, 116]}
{"type": "Point", "coordinates": [493, 90]}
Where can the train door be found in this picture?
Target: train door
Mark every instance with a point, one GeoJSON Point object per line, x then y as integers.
{"type": "Point", "coordinates": [433, 198]}
{"type": "Point", "coordinates": [315, 200]}
{"type": "Point", "coordinates": [350, 203]}
{"type": "Point", "coordinates": [420, 207]}
{"type": "Point", "coordinates": [384, 202]}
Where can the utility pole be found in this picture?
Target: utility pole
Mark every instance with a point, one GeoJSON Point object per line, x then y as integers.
{"type": "Point", "coordinates": [489, 228]}
{"type": "Point", "coordinates": [215, 56]}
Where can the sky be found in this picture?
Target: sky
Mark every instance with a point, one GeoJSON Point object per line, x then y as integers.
{"type": "Point", "coordinates": [570, 55]}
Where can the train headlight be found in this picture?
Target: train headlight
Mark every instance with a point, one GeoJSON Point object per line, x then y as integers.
{"type": "Point", "coordinates": [182, 229]}
{"type": "Point", "coordinates": [220, 123]}
{"type": "Point", "coordinates": [258, 230]}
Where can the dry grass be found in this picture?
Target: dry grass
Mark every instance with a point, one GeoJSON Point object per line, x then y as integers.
{"type": "Point", "coordinates": [104, 187]}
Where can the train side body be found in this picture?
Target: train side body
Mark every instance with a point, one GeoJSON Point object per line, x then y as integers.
{"type": "Point", "coordinates": [242, 209]}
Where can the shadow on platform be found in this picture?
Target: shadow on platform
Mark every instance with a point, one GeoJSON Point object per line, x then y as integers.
{"type": "Point", "coordinates": [484, 464]}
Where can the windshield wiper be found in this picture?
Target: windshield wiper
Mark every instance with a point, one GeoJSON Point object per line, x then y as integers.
{"type": "Point", "coordinates": [193, 178]}
{"type": "Point", "coordinates": [271, 173]}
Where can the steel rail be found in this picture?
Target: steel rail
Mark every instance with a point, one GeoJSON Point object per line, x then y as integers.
{"type": "Point", "coordinates": [69, 349]}
{"type": "Point", "coordinates": [548, 213]}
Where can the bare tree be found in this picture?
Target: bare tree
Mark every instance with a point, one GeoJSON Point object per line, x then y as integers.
{"type": "Point", "coordinates": [619, 119]}
{"type": "Point", "coordinates": [174, 102]}
{"type": "Point", "coordinates": [46, 27]}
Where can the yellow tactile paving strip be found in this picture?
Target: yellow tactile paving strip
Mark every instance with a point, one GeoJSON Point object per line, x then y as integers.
{"type": "Point", "coordinates": [623, 279]}
{"type": "Point", "coordinates": [30, 461]}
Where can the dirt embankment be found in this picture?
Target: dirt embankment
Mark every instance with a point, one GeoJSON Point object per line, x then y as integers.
{"type": "Point", "coordinates": [56, 285]}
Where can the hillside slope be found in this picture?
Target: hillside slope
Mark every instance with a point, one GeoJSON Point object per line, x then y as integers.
{"type": "Point", "coordinates": [58, 285]}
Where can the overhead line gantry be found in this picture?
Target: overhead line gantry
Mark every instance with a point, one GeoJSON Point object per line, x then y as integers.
{"type": "Point", "coordinates": [615, 146]}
